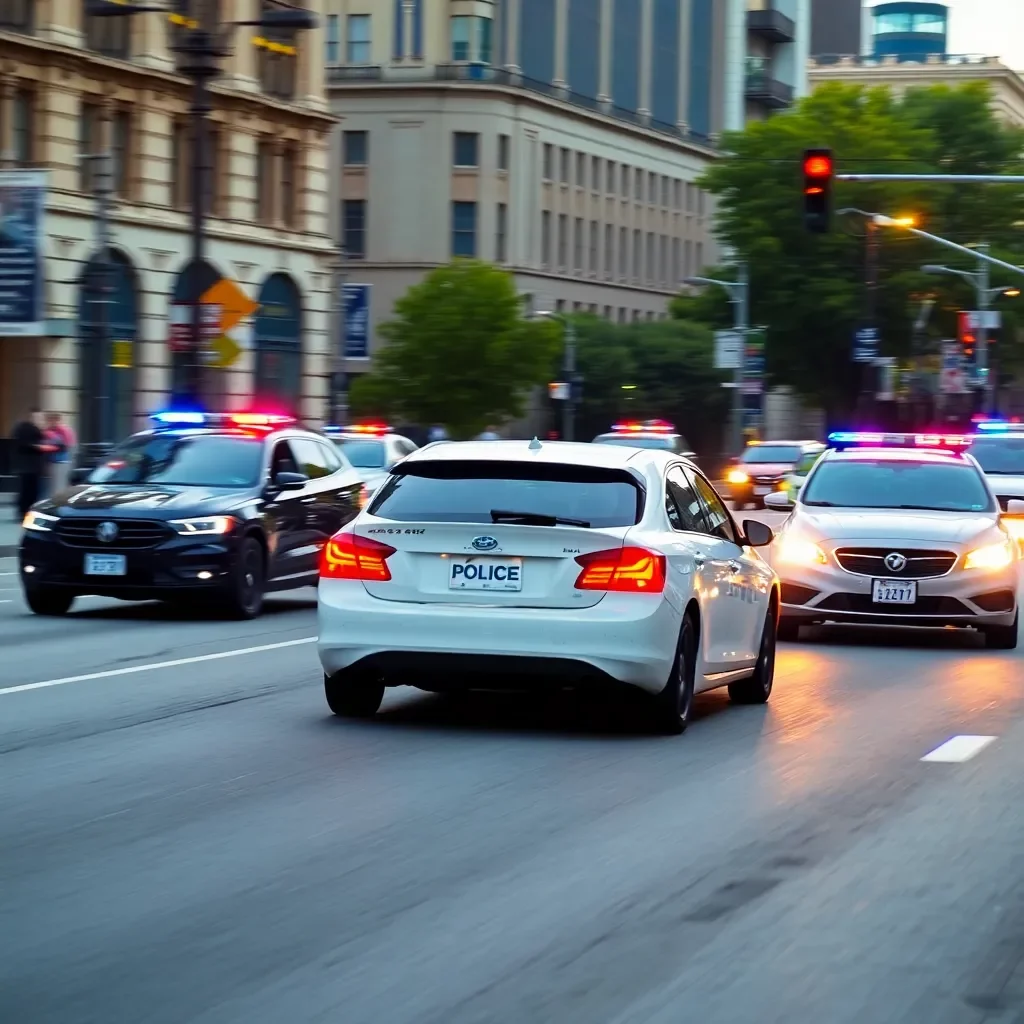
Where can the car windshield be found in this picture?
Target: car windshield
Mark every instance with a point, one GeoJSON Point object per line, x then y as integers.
{"type": "Point", "coordinates": [766, 453]}
{"type": "Point", "coordinates": [668, 443]}
{"type": "Point", "coordinates": [365, 454]}
{"type": "Point", "coordinates": [469, 491]}
{"type": "Point", "coordinates": [1000, 454]}
{"type": "Point", "coordinates": [183, 461]}
{"type": "Point", "coordinates": [888, 483]}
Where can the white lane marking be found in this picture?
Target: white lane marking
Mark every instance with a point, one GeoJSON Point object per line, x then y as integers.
{"type": "Point", "coordinates": [154, 666]}
{"type": "Point", "coordinates": [959, 748]}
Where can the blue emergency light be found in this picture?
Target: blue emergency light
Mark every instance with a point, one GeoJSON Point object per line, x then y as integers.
{"type": "Point", "coordinates": [176, 418]}
{"type": "Point", "coordinates": [843, 439]}
{"type": "Point", "coordinates": [999, 427]}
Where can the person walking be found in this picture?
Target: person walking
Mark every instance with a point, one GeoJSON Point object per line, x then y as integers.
{"type": "Point", "coordinates": [59, 434]}
{"type": "Point", "coordinates": [30, 451]}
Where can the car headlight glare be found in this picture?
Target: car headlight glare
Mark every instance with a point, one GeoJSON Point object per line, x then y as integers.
{"type": "Point", "coordinates": [737, 476]}
{"type": "Point", "coordinates": [992, 557]}
{"type": "Point", "coordinates": [794, 551]}
{"type": "Point", "coordinates": [38, 521]}
{"type": "Point", "coordinates": [204, 526]}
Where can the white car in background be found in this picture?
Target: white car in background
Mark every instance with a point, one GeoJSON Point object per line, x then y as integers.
{"type": "Point", "coordinates": [373, 449]}
{"type": "Point", "coordinates": [514, 564]}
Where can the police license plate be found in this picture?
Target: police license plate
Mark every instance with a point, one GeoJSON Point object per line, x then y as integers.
{"type": "Point", "coordinates": [485, 573]}
{"type": "Point", "coordinates": [106, 565]}
{"type": "Point", "coordinates": [762, 490]}
{"type": "Point", "coordinates": [894, 591]}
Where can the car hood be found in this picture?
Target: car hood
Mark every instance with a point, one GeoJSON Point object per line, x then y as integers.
{"type": "Point", "coordinates": [128, 499]}
{"type": "Point", "coordinates": [1006, 486]}
{"type": "Point", "coordinates": [869, 525]}
{"type": "Point", "coordinates": [765, 468]}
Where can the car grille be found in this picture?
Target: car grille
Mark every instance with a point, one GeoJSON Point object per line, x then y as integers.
{"type": "Point", "coordinates": [793, 593]}
{"type": "Point", "coordinates": [920, 564]}
{"type": "Point", "coordinates": [922, 606]}
{"type": "Point", "coordinates": [132, 534]}
{"type": "Point", "coordinates": [767, 479]}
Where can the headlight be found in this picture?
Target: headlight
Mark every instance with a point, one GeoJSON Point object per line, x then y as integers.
{"type": "Point", "coordinates": [800, 552]}
{"type": "Point", "coordinates": [38, 521]}
{"type": "Point", "coordinates": [737, 476]}
{"type": "Point", "coordinates": [205, 526]}
{"type": "Point", "coordinates": [991, 557]}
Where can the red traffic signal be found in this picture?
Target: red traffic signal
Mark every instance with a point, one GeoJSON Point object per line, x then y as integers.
{"type": "Point", "coordinates": [967, 336]}
{"type": "Point", "coordinates": [818, 169]}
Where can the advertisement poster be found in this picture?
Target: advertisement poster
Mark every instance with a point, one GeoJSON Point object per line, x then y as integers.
{"type": "Point", "coordinates": [22, 204]}
{"type": "Point", "coordinates": [357, 321]}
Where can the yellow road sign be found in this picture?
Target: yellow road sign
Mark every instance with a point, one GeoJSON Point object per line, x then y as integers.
{"type": "Point", "coordinates": [121, 355]}
{"type": "Point", "coordinates": [226, 350]}
{"type": "Point", "coordinates": [234, 303]}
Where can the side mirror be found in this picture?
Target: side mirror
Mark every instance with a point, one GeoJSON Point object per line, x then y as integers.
{"type": "Point", "coordinates": [1014, 507]}
{"type": "Point", "coordinates": [290, 481]}
{"type": "Point", "coordinates": [780, 501]}
{"type": "Point", "coordinates": [757, 534]}
{"type": "Point", "coordinates": [79, 476]}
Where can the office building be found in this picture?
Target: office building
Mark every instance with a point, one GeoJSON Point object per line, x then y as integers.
{"type": "Point", "coordinates": [909, 30]}
{"type": "Point", "coordinates": [74, 86]}
{"type": "Point", "coordinates": [775, 45]}
{"type": "Point", "coordinates": [836, 27]}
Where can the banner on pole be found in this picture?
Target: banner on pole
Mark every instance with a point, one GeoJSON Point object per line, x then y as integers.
{"type": "Point", "coordinates": [357, 320]}
{"type": "Point", "coordinates": [22, 267]}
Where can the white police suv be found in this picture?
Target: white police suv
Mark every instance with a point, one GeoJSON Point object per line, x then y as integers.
{"type": "Point", "coordinates": [515, 564]}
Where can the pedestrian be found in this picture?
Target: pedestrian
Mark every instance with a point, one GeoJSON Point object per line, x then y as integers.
{"type": "Point", "coordinates": [59, 434]}
{"type": "Point", "coordinates": [30, 451]}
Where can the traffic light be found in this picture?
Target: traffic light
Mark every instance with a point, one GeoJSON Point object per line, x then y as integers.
{"type": "Point", "coordinates": [967, 337]}
{"type": "Point", "coordinates": [818, 169]}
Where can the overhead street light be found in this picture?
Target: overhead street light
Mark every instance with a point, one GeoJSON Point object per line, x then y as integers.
{"type": "Point", "coordinates": [202, 50]}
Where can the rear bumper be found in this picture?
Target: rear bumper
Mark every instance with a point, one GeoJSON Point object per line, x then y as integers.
{"type": "Point", "coordinates": [627, 639]}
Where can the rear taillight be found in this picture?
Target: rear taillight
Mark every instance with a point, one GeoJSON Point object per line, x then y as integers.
{"type": "Point", "coordinates": [622, 570]}
{"type": "Point", "coordinates": [348, 557]}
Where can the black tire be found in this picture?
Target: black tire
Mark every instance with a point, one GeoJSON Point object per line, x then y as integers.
{"type": "Point", "coordinates": [758, 688]}
{"type": "Point", "coordinates": [248, 580]}
{"type": "Point", "coordinates": [44, 601]}
{"type": "Point", "coordinates": [1001, 638]}
{"type": "Point", "coordinates": [673, 706]}
{"type": "Point", "coordinates": [788, 631]}
{"type": "Point", "coordinates": [353, 693]}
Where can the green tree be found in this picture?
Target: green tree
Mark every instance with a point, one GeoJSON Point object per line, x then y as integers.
{"type": "Point", "coordinates": [810, 289]}
{"type": "Point", "coordinates": [458, 352]}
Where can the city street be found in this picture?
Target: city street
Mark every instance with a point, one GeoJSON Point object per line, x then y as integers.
{"type": "Point", "coordinates": [188, 835]}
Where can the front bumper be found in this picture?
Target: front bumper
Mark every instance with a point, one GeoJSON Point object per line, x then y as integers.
{"type": "Point", "coordinates": [960, 598]}
{"type": "Point", "coordinates": [754, 490]}
{"type": "Point", "coordinates": [175, 564]}
{"type": "Point", "coordinates": [625, 638]}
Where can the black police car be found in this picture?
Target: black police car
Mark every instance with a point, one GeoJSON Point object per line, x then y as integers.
{"type": "Point", "coordinates": [224, 507]}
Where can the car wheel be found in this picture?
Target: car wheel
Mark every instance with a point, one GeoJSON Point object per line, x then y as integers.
{"type": "Point", "coordinates": [354, 693]}
{"type": "Point", "coordinates": [758, 688]}
{"type": "Point", "coordinates": [1001, 638]}
{"type": "Point", "coordinates": [788, 631]}
{"type": "Point", "coordinates": [673, 705]}
{"type": "Point", "coordinates": [48, 602]}
{"type": "Point", "coordinates": [245, 596]}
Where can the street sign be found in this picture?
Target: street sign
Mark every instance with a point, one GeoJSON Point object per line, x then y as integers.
{"type": "Point", "coordinates": [753, 366]}
{"type": "Point", "coordinates": [865, 345]}
{"type": "Point", "coordinates": [728, 345]}
{"type": "Point", "coordinates": [356, 337]}
{"type": "Point", "coordinates": [953, 378]}
{"type": "Point", "coordinates": [559, 391]}
{"type": "Point", "coordinates": [232, 304]}
{"type": "Point", "coordinates": [120, 355]}
{"type": "Point", "coordinates": [984, 319]}
{"type": "Point", "coordinates": [224, 351]}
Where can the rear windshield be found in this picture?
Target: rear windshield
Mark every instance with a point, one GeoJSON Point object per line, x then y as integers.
{"type": "Point", "coordinates": [467, 492]}
{"type": "Point", "coordinates": [669, 443]}
{"type": "Point", "coordinates": [765, 453]}
{"type": "Point", "coordinates": [1000, 454]}
{"type": "Point", "coordinates": [864, 483]}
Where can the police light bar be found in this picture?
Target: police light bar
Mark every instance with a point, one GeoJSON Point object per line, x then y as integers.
{"type": "Point", "coordinates": [646, 427]}
{"type": "Point", "coordinates": [841, 439]}
{"type": "Point", "coordinates": [191, 418]}
{"type": "Point", "coordinates": [176, 419]}
{"type": "Point", "coordinates": [1000, 426]}
{"type": "Point", "coordinates": [366, 428]}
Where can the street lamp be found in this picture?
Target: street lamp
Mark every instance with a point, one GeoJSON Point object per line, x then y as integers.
{"type": "Point", "coordinates": [202, 49]}
{"type": "Point", "coordinates": [739, 295]}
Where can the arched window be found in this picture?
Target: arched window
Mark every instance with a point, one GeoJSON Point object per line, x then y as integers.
{"type": "Point", "coordinates": [277, 337]}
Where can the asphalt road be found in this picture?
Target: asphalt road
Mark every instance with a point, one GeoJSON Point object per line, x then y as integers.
{"type": "Point", "coordinates": [190, 838]}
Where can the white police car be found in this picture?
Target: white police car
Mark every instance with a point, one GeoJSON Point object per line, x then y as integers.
{"type": "Point", "coordinates": [658, 434]}
{"type": "Point", "coordinates": [514, 564]}
{"type": "Point", "coordinates": [372, 448]}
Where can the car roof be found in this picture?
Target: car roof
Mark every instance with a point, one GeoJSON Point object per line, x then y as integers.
{"type": "Point", "coordinates": [578, 453]}
{"type": "Point", "coordinates": [922, 455]}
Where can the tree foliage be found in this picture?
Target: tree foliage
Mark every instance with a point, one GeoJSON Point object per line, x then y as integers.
{"type": "Point", "coordinates": [458, 352]}
{"type": "Point", "coordinates": [809, 290]}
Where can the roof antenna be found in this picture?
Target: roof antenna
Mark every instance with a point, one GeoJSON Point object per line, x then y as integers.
{"type": "Point", "coordinates": [535, 445]}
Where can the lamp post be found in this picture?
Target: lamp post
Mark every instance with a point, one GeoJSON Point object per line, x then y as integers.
{"type": "Point", "coordinates": [568, 370]}
{"type": "Point", "coordinates": [202, 48]}
{"type": "Point", "coordinates": [739, 295]}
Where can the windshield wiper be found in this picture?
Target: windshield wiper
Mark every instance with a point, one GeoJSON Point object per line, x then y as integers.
{"type": "Point", "coordinates": [500, 515]}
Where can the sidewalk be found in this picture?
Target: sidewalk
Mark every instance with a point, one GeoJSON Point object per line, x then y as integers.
{"type": "Point", "coordinates": [10, 531]}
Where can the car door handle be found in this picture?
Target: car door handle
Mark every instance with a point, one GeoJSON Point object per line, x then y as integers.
{"type": "Point", "coordinates": [735, 566]}
{"type": "Point", "coordinates": [698, 560]}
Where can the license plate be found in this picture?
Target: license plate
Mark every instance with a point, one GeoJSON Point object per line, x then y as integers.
{"type": "Point", "coordinates": [762, 490]}
{"type": "Point", "coordinates": [485, 574]}
{"type": "Point", "coordinates": [894, 591]}
{"type": "Point", "coordinates": [106, 565]}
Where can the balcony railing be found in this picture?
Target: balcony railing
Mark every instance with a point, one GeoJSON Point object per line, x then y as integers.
{"type": "Point", "coordinates": [772, 25]}
{"type": "Point", "coordinates": [762, 87]}
{"type": "Point", "coordinates": [943, 59]}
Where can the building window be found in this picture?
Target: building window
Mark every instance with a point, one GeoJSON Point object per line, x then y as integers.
{"type": "Point", "coordinates": [652, 188]}
{"type": "Point", "coordinates": [89, 145]}
{"type": "Point", "coordinates": [651, 266]}
{"type": "Point", "coordinates": [677, 194]}
{"type": "Point", "coordinates": [675, 268]}
{"type": "Point", "coordinates": [358, 39]}
{"type": "Point", "coordinates": [664, 192]}
{"type": "Point", "coordinates": [181, 174]}
{"type": "Point", "coordinates": [549, 162]}
{"type": "Point", "coordinates": [471, 40]}
{"type": "Point", "coordinates": [545, 238]}
{"type": "Point", "coordinates": [289, 185]}
{"type": "Point", "coordinates": [206, 12]}
{"type": "Point", "coordinates": [581, 170]}
{"type": "Point", "coordinates": [577, 245]}
{"type": "Point", "coordinates": [355, 148]}
{"type": "Point", "coordinates": [563, 240]}
{"type": "Point", "coordinates": [333, 40]}
{"type": "Point", "coordinates": [624, 183]}
{"type": "Point", "coordinates": [564, 167]}
{"type": "Point", "coordinates": [110, 37]}
{"type": "Point", "coordinates": [500, 240]}
{"type": "Point", "coordinates": [638, 254]}
{"type": "Point", "coordinates": [278, 68]}
{"type": "Point", "coordinates": [16, 15]}
{"type": "Point", "coordinates": [265, 211]}
{"type": "Point", "coordinates": [609, 255]}
{"type": "Point", "coordinates": [595, 235]}
{"type": "Point", "coordinates": [595, 174]}
{"type": "Point", "coordinates": [464, 229]}
{"type": "Point", "coordinates": [610, 178]}
{"type": "Point", "coordinates": [215, 187]}
{"type": "Point", "coordinates": [353, 228]}
{"type": "Point", "coordinates": [688, 259]}
{"type": "Point", "coordinates": [699, 256]}
{"type": "Point", "coordinates": [503, 152]}
{"type": "Point", "coordinates": [638, 185]}
{"type": "Point", "coordinates": [663, 259]}
{"type": "Point", "coordinates": [464, 149]}
{"type": "Point", "coordinates": [121, 151]}
{"type": "Point", "coordinates": [623, 253]}
{"type": "Point", "coordinates": [23, 111]}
